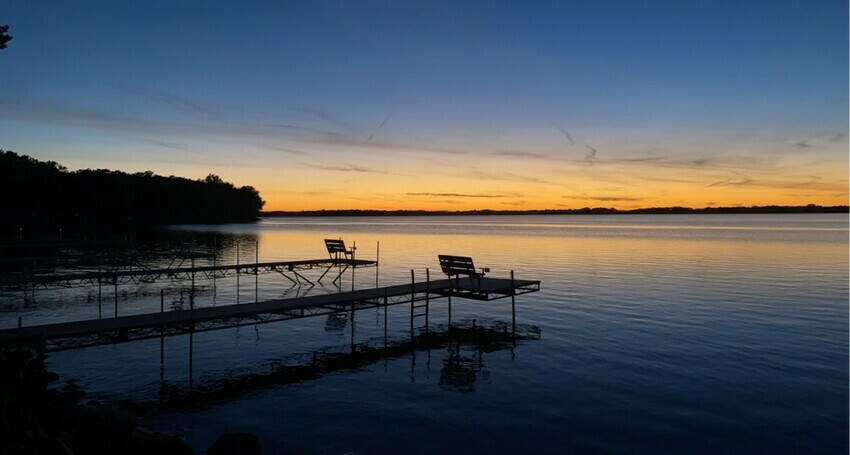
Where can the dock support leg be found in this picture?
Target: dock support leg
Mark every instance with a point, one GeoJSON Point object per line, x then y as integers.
{"type": "Point", "coordinates": [191, 347]}
{"type": "Point", "coordinates": [352, 328]}
{"type": "Point", "coordinates": [161, 346]}
{"type": "Point", "coordinates": [427, 296]}
{"type": "Point", "coordinates": [412, 300]}
{"type": "Point", "coordinates": [386, 306]}
{"type": "Point", "coordinates": [99, 299]}
{"type": "Point", "coordinates": [513, 306]}
{"type": "Point", "coordinates": [191, 357]}
{"type": "Point", "coordinates": [115, 283]}
{"type": "Point", "coordinates": [450, 311]}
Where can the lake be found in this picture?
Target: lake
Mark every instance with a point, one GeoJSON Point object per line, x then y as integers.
{"type": "Point", "coordinates": [651, 333]}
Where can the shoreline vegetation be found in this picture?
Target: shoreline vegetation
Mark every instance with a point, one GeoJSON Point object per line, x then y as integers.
{"type": "Point", "coordinates": [810, 208]}
{"type": "Point", "coordinates": [44, 197]}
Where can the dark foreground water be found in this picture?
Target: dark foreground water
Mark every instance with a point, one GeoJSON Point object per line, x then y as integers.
{"type": "Point", "coordinates": [696, 334]}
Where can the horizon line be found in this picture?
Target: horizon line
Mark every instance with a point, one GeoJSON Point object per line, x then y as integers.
{"type": "Point", "coordinates": [809, 208]}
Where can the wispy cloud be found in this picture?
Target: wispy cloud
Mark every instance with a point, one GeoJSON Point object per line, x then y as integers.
{"type": "Point", "coordinates": [301, 128]}
{"type": "Point", "coordinates": [813, 182]}
{"type": "Point", "coordinates": [741, 180]}
{"type": "Point", "coordinates": [566, 134]}
{"type": "Point", "coordinates": [73, 116]}
{"type": "Point", "coordinates": [178, 103]}
{"type": "Point", "coordinates": [287, 150]}
{"type": "Point", "coordinates": [605, 198]}
{"type": "Point", "coordinates": [615, 199]}
{"type": "Point", "coordinates": [520, 154]}
{"type": "Point", "coordinates": [345, 168]}
{"type": "Point", "coordinates": [458, 195]}
{"type": "Point", "coordinates": [322, 115]}
{"type": "Point", "coordinates": [168, 145]}
{"type": "Point", "coordinates": [505, 177]}
{"type": "Point", "coordinates": [376, 130]}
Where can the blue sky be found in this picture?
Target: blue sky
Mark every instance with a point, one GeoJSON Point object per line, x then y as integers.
{"type": "Point", "coordinates": [573, 103]}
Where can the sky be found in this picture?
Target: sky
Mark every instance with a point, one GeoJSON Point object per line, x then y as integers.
{"type": "Point", "coordinates": [442, 105]}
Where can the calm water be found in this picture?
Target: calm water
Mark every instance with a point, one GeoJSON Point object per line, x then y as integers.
{"type": "Point", "coordinates": [656, 334]}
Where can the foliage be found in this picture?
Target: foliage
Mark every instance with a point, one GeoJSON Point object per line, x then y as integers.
{"type": "Point", "coordinates": [4, 36]}
{"type": "Point", "coordinates": [45, 195]}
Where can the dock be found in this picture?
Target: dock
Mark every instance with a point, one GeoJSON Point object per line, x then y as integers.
{"type": "Point", "coordinates": [97, 332]}
{"type": "Point", "coordinates": [139, 276]}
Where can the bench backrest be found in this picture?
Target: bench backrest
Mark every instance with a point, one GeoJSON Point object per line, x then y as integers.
{"type": "Point", "coordinates": [335, 246]}
{"type": "Point", "coordinates": [457, 265]}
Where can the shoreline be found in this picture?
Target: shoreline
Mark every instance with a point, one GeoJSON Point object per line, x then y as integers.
{"type": "Point", "coordinates": [769, 209]}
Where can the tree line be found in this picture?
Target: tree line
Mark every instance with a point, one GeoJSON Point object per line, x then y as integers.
{"type": "Point", "coordinates": [810, 208]}
{"type": "Point", "coordinates": [42, 196]}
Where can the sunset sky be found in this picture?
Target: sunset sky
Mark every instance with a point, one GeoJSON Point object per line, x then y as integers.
{"type": "Point", "coordinates": [442, 105]}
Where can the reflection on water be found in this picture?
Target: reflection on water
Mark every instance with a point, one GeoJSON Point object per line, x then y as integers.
{"type": "Point", "coordinates": [676, 334]}
{"type": "Point", "coordinates": [459, 371]}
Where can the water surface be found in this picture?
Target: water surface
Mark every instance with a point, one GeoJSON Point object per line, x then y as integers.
{"type": "Point", "coordinates": [657, 333]}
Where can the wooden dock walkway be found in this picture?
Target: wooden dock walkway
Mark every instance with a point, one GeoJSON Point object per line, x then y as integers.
{"type": "Point", "coordinates": [79, 334]}
{"type": "Point", "coordinates": [137, 276]}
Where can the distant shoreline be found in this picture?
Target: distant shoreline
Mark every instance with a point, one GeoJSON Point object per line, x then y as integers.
{"type": "Point", "coordinates": [811, 208]}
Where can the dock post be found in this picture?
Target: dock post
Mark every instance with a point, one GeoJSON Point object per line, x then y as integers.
{"type": "Point", "coordinates": [450, 309]}
{"type": "Point", "coordinates": [386, 306]}
{"type": "Point", "coordinates": [353, 266]}
{"type": "Point", "coordinates": [161, 341]}
{"type": "Point", "coordinates": [412, 300]}
{"type": "Point", "coordinates": [215, 253]}
{"type": "Point", "coordinates": [427, 296]}
{"type": "Point", "coordinates": [237, 270]}
{"type": "Point", "coordinates": [513, 305]}
{"type": "Point", "coordinates": [256, 271]}
{"type": "Point", "coordinates": [191, 346]}
{"type": "Point", "coordinates": [192, 293]}
{"type": "Point", "coordinates": [352, 327]}
{"type": "Point", "coordinates": [377, 261]}
{"type": "Point", "coordinates": [20, 321]}
{"type": "Point", "coordinates": [33, 281]}
{"type": "Point", "coordinates": [115, 283]}
{"type": "Point", "coordinates": [99, 297]}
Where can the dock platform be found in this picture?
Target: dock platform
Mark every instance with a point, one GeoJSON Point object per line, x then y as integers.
{"type": "Point", "coordinates": [138, 276]}
{"type": "Point", "coordinates": [87, 333]}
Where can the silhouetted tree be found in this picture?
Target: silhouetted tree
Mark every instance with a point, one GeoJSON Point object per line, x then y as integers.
{"type": "Point", "coordinates": [45, 195]}
{"type": "Point", "coordinates": [4, 37]}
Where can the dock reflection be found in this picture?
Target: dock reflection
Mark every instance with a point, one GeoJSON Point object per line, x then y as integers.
{"type": "Point", "coordinates": [458, 372]}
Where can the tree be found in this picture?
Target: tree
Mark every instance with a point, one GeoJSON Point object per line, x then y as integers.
{"type": "Point", "coordinates": [214, 179]}
{"type": "Point", "coordinates": [4, 37]}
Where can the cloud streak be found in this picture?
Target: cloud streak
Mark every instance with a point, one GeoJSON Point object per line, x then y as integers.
{"type": "Point", "coordinates": [287, 150]}
{"type": "Point", "coordinates": [566, 134]}
{"type": "Point", "coordinates": [813, 183]}
{"type": "Point", "coordinates": [322, 115]}
{"type": "Point", "coordinates": [164, 144]}
{"type": "Point", "coordinates": [490, 196]}
{"type": "Point", "coordinates": [345, 168]}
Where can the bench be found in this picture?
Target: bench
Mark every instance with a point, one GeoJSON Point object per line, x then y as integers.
{"type": "Point", "coordinates": [337, 250]}
{"type": "Point", "coordinates": [460, 265]}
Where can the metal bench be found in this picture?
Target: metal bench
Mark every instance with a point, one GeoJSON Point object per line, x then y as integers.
{"type": "Point", "coordinates": [338, 254]}
{"type": "Point", "coordinates": [337, 250]}
{"type": "Point", "coordinates": [461, 265]}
